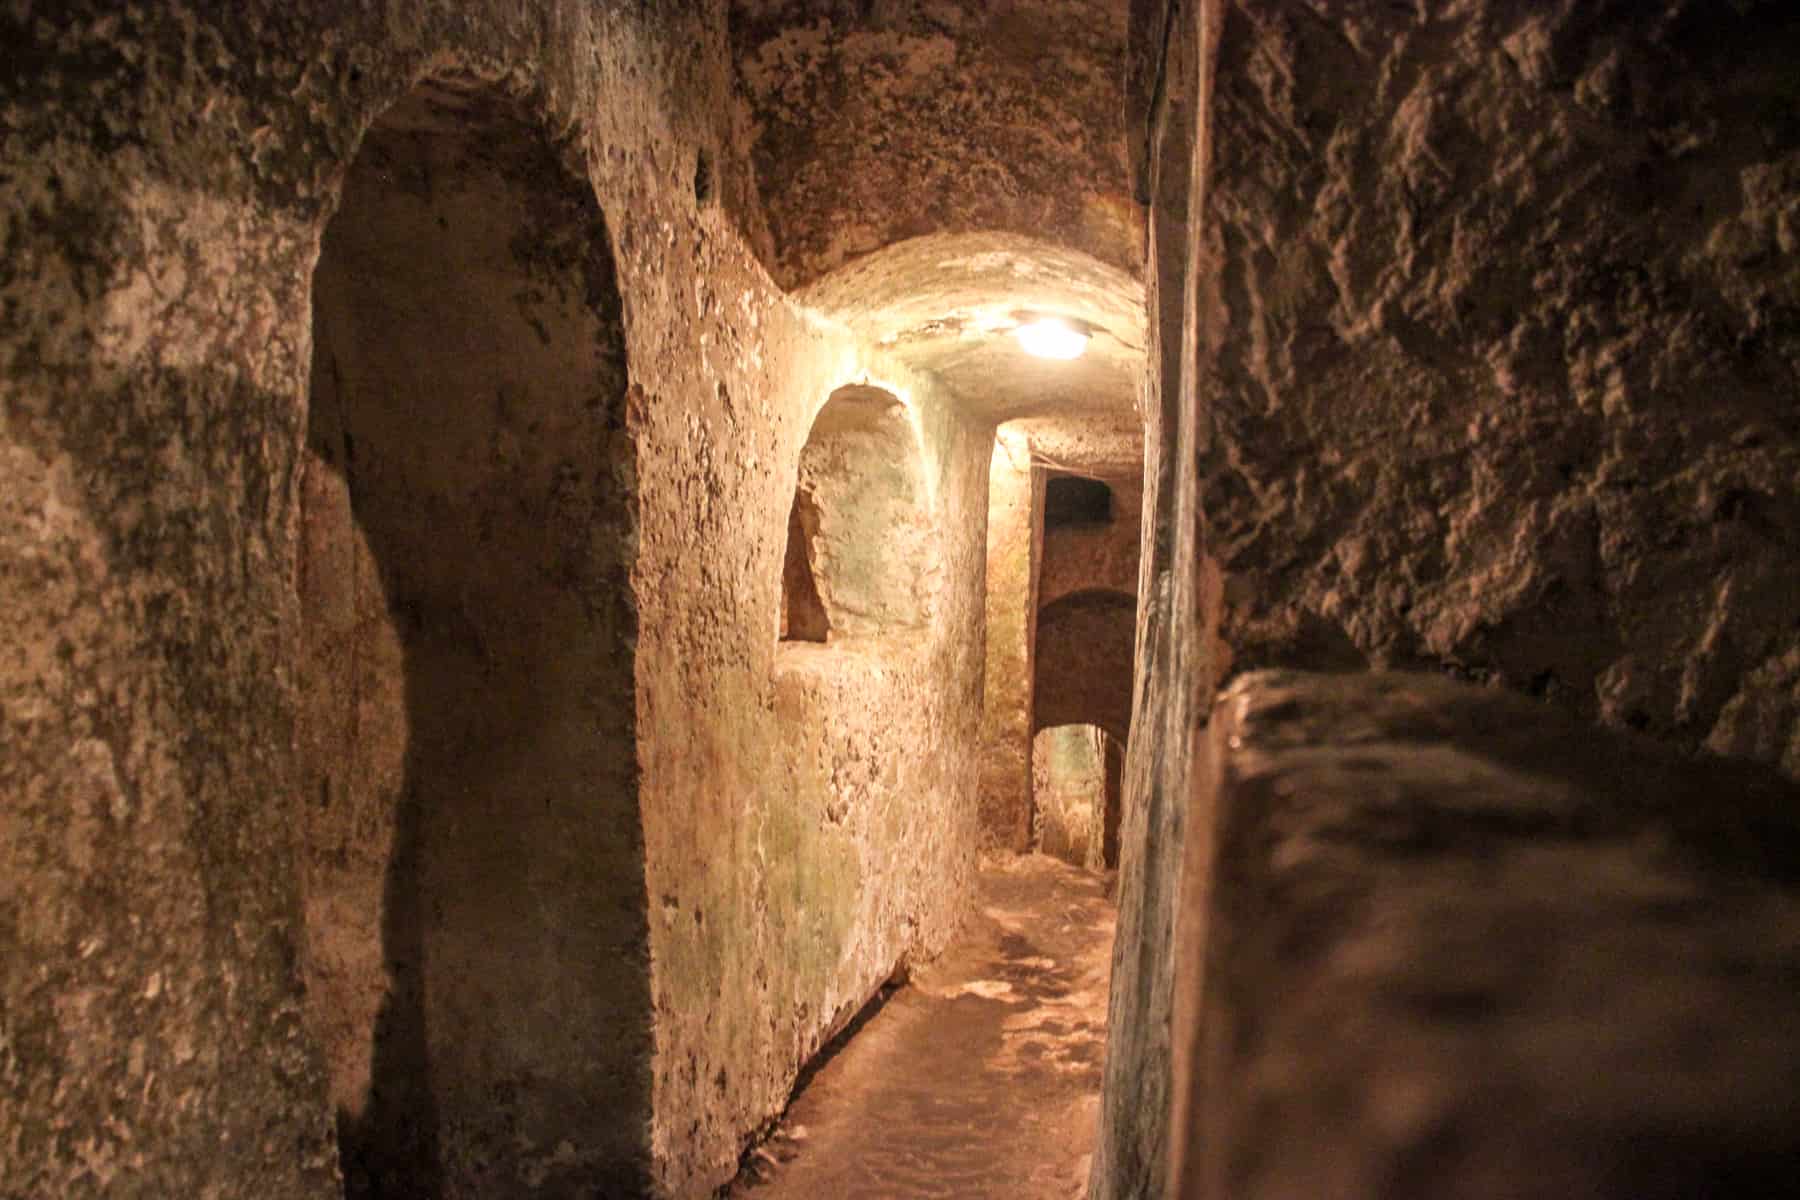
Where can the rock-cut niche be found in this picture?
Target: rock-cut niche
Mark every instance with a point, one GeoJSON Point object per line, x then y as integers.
{"type": "Point", "coordinates": [473, 865]}
{"type": "Point", "coordinates": [861, 557]}
{"type": "Point", "coordinates": [1071, 501]}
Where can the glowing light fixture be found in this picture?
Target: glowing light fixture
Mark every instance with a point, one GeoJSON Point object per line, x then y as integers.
{"type": "Point", "coordinates": [1052, 337]}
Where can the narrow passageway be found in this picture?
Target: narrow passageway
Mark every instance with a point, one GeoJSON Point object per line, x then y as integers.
{"type": "Point", "coordinates": [981, 1076]}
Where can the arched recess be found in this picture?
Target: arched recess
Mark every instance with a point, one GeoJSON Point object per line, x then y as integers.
{"type": "Point", "coordinates": [1083, 672]}
{"type": "Point", "coordinates": [862, 555]}
{"type": "Point", "coordinates": [476, 964]}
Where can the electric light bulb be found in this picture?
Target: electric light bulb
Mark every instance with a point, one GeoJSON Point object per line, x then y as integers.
{"type": "Point", "coordinates": [1050, 337]}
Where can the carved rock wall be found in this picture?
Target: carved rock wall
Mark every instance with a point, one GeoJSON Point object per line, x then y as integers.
{"type": "Point", "coordinates": [1494, 363]}
{"type": "Point", "coordinates": [874, 123]}
{"type": "Point", "coordinates": [1082, 663]}
{"type": "Point", "coordinates": [1173, 660]}
{"type": "Point", "coordinates": [1507, 351]}
{"type": "Point", "coordinates": [170, 174]}
{"type": "Point", "coordinates": [1014, 560]}
{"type": "Point", "coordinates": [1087, 555]}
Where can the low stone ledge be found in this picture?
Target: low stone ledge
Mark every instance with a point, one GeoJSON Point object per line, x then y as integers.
{"type": "Point", "coordinates": [1458, 945]}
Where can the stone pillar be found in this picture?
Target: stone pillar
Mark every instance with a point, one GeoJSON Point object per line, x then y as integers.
{"type": "Point", "coordinates": [1015, 533]}
{"type": "Point", "coordinates": [1112, 799]}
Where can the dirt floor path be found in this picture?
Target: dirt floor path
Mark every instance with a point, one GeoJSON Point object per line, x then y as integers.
{"type": "Point", "coordinates": [980, 1077]}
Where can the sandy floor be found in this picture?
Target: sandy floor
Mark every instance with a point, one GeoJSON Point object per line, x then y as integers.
{"type": "Point", "coordinates": [981, 1077]}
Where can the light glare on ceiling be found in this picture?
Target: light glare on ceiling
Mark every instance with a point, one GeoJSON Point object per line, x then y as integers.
{"type": "Point", "coordinates": [1052, 337]}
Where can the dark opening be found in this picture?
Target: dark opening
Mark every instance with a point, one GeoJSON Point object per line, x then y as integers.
{"type": "Point", "coordinates": [803, 616]}
{"type": "Point", "coordinates": [1072, 500]}
{"type": "Point", "coordinates": [477, 963]}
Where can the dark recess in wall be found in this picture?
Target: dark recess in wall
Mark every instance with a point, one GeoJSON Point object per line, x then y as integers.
{"type": "Point", "coordinates": [803, 616]}
{"type": "Point", "coordinates": [1072, 500]}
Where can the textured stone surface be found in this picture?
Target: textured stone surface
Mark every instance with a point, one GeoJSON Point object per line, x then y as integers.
{"type": "Point", "coordinates": [1033, 563]}
{"type": "Point", "coordinates": [1451, 943]}
{"type": "Point", "coordinates": [1174, 659]}
{"type": "Point", "coordinates": [868, 521]}
{"type": "Point", "coordinates": [1492, 351]}
{"type": "Point", "coordinates": [1082, 666]}
{"type": "Point", "coordinates": [170, 173]}
{"type": "Point", "coordinates": [1107, 445]}
{"type": "Point", "coordinates": [473, 845]}
{"type": "Point", "coordinates": [948, 304]}
{"type": "Point", "coordinates": [876, 122]}
{"type": "Point", "coordinates": [1506, 352]}
{"type": "Point", "coordinates": [1087, 555]}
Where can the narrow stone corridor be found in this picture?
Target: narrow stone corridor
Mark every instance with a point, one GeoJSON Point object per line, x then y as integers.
{"type": "Point", "coordinates": [1234, 563]}
{"type": "Point", "coordinates": [980, 1076]}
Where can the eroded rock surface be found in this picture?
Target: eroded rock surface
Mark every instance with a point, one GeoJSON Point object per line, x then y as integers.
{"type": "Point", "coordinates": [1014, 546]}
{"type": "Point", "coordinates": [1507, 342]}
{"type": "Point", "coordinates": [171, 708]}
{"type": "Point", "coordinates": [1487, 313]}
{"type": "Point", "coordinates": [874, 123]}
{"type": "Point", "coordinates": [1174, 659]}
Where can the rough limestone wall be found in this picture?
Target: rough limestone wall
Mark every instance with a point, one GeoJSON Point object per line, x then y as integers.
{"type": "Point", "coordinates": [477, 968]}
{"type": "Point", "coordinates": [170, 172]}
{"type": "Point", "coordinates": [1014, 559]}
{"type": "Point", "coordinates": [874, 123]}
{"type": "Point", "coordinates": [870, 527]}
{"type": "Point", "coordinates": [809, 809]}
{"type": "Point", "coordinates": [1087, 617]}
{"type": "Point", "coordinates": [1452, 943]}
{"type": "Point", "coordinates": [1169, 77]}
{"type": "Point", "coordinates": [1506, 367]}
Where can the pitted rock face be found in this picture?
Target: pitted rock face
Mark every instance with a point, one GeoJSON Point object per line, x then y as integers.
{"type": "Point", "coordinates": [874, 123]}
{"type": "Point", "coordinates": [174, 169]}
{"type": "Point", "coordinates": [1083, 668]}
{"type": "Point", "coordinates": [1506, 341]}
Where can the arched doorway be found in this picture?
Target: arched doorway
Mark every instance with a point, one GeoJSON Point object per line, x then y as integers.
{"type": "Point", "coordinates": [477, 964]}
{"type": "Point", "coordinates": [1076, 778]}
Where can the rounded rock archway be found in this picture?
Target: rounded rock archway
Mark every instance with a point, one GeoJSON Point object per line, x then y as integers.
{"type": "Point", "coordinates": [472, 865]}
